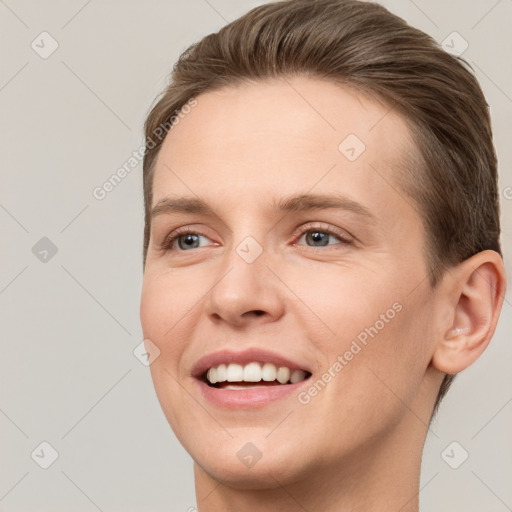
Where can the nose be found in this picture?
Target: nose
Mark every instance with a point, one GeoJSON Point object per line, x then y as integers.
{"type": "Point", "coordinates": [245, 293]}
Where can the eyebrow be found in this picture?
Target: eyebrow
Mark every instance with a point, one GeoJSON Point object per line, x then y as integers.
{"type": "Point", "coordinates": [296, 203]}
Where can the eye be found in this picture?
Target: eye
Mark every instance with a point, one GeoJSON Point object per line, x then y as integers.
{"type": "Point", "coordinates": [186, 238]}
{"type": "Point", "coordinates": [315, 236]}
{"type": "Point", "coordinates": [319, 236]}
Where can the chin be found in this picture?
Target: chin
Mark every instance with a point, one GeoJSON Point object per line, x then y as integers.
{"type": "Point", "coordinates": [267, 473]}
{"type": "Point", "coordinates": [252, 459]}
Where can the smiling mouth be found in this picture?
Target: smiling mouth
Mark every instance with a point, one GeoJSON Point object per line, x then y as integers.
{"type": "Point", "coordinates": [252, 375]}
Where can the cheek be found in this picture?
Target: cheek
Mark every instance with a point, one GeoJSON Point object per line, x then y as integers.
{"type": "Point", "coordinates": [371, 320]}
{"type": "Point", "coordinates": [150, 310]}
{"type": "Point", "coordinates": [166, 300]}
{"type": "Point", "coordinates": [163, 317]}
{"type": "Point", "coordinates": [386, 357]}
{"type": "Point", "coordinates": [347, 302]}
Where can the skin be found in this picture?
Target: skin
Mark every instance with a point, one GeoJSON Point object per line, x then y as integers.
{"type": "Point", "coordinates": [357, 444]}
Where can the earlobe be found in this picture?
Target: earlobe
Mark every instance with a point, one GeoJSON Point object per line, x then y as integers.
{"type": "Point", "coordinates": [478, 288]}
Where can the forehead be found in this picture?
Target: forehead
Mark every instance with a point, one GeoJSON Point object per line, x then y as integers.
{"type": "Point", "coordinates": [281, 136]}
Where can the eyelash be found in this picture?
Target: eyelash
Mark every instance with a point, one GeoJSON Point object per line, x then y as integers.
{"type": "Point", "coordinates": [169, 241]}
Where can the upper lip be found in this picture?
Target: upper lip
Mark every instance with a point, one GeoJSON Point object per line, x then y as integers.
{"type": "Point", "coordinates": [243, 357]}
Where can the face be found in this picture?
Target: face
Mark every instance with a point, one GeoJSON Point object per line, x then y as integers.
{"type": "Point", "coordinates": [296, 250]}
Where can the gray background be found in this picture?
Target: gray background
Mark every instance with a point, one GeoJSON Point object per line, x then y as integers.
{"type": "Point", "coordinates": [70, 322]}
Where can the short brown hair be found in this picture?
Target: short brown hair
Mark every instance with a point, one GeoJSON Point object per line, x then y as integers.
{"type": "Point", "coordinates": [364, 46]}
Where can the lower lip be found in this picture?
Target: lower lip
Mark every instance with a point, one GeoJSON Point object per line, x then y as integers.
{"type": "Point", "coordinates": [247, 398]}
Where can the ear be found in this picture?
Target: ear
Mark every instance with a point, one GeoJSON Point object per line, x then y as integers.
{"type": "Point", "coordinates": [477, 290]}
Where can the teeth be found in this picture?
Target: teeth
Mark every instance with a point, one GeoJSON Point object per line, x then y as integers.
{"type": "Point", "coordinates": [222, 373]}
{"type": "Point", "coordinates": [297, 376]}
{"type": "Point", "coordinates": [283, 375]}
{"type": "Point", "coordinates": [269, 372]}
{"type": "Point", "coordinates": [241, 386]}
{"type": "Point", "coordinates": [212, 375]}
{"type": "Point", "coordinates": [253, 372]}
{"type": "Point", "coordinates": [235, 373]}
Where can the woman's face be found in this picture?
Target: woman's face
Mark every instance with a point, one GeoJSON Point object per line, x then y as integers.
{"type": "Point", "coordinates": [335, 292]}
